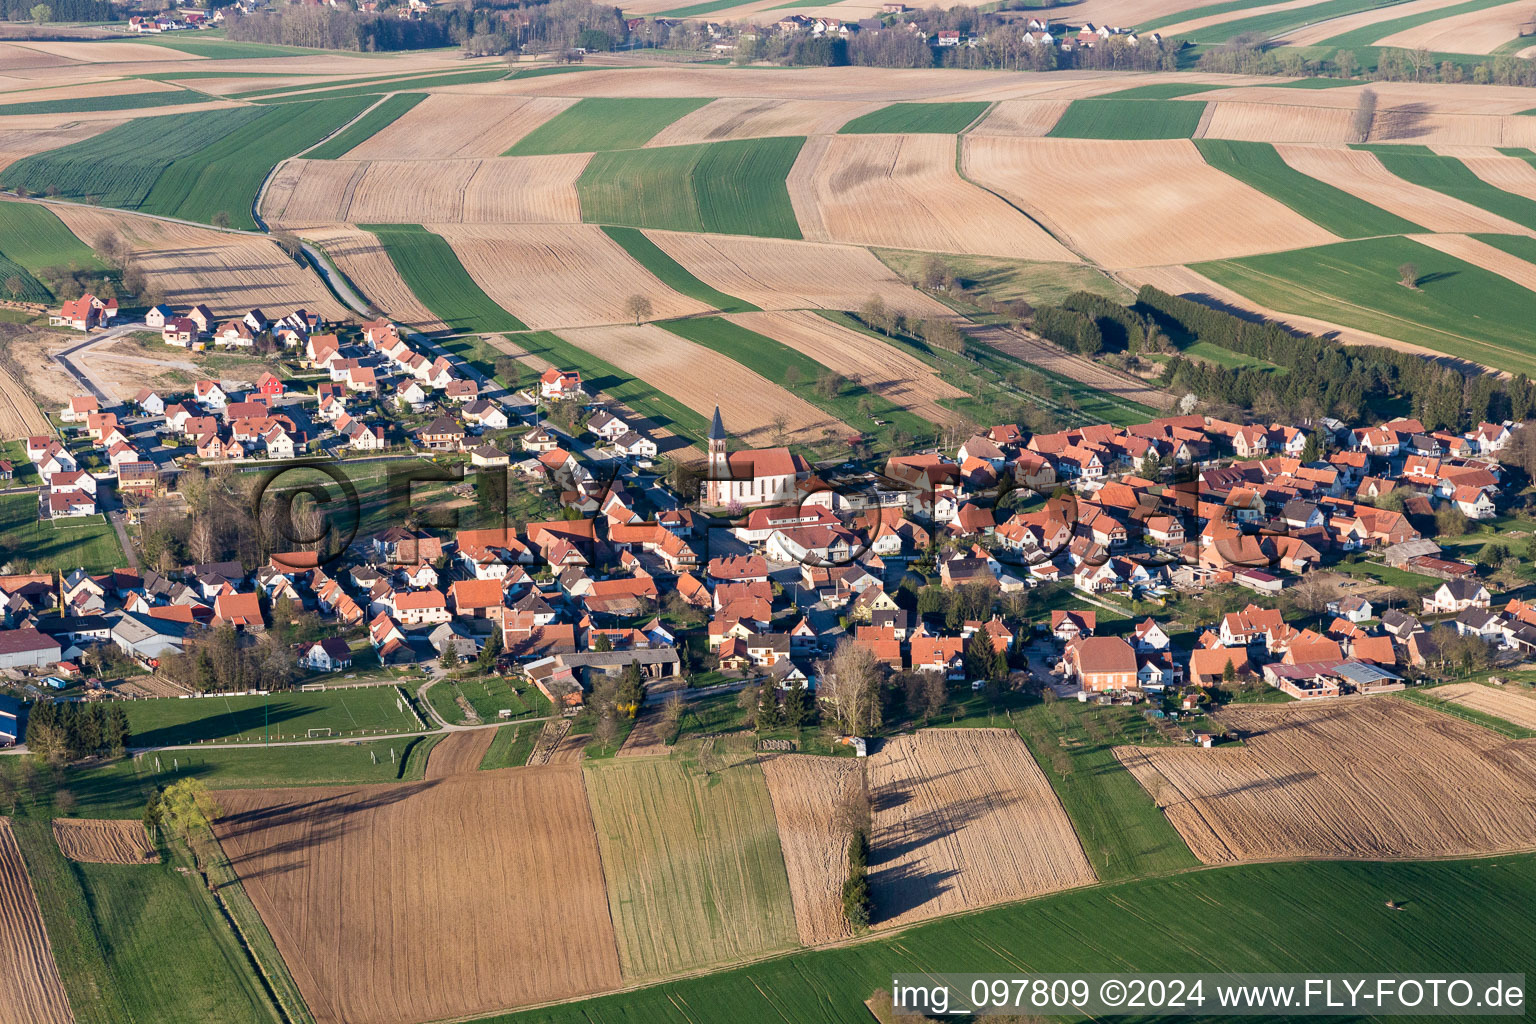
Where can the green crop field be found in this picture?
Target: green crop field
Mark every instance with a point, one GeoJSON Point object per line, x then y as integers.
{"type": "Point", "coordinates": [914, 118]}
{"type": "Point", "coordinates": [88, 543]}
{"type": "Point", "coordinates": [226, 49]}
{"type": "Point", "coordinates": [601, 123]}
{"type": "Point", "coordinates": [1123, 833]}
{"type": "Point", "coordinates": [672, 273]}
{"type": "Point", "coordinates": [1163, 91]}
{"type": "Point", "coordinates": [601, 376]}
{"type": "Point", "coordinates": [127, 101]}
{"type": "Point", "coordinates": [1129, 119]}
{"type": "Point", "coordinates": [1368, 34]}
{"type": "Point", "coordinates": [289, 715]}
{"type": "Point", "coordinates": [735, 188]}
{"type": "Point", "coordinates": [1259, 165]}
{"type": "Point", "coordinates": [366, 127]}
{"type": "Point", "coordinates": [1260, 917]}
{"type": "Point", "coordinates": [1274, 22]}
{"type": "Point", "coordinates": [511, 746]}
{"type": "Point", "coordinates": [428, 266]}
{"type": "Point", "coordinates": [1449, 175]}
{"type": "Point", "coordinates": [692, 861]}
{"type": "Point", "coordinates": [1457, 308]}
{"type": "Point", "coordinates": [1207, 11]}
{"type": "Point", "coordinates": [774, 360]}
{"type": "Point", "coordinates": [389, 84]}
{"type": "Point", "coordinates": [33, 236]}
{"type": "Point", "coordinates": [216, 166]}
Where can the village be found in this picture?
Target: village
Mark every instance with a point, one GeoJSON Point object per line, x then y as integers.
{"type": "Point", "coordinates": [1065, 562]}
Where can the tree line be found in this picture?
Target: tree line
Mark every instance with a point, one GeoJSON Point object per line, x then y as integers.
{"type": "Point", "coordinates": [1252, 55]}
{"type": "Point", "coordinates": [59, 731]}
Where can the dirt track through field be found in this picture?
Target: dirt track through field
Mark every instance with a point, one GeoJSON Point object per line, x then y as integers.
{"type": "Point", "coordinates": [903, 192]}
{"type": "Point", "coordinates": [459, 753]}
{"type": "Point", "coordinates": [1514, 706]}
{"type": "Point", "coordinates": [806, 792]}
{"type": "Point", "coordinates": [552, 276]}
{"type": "Point", "coordinates": [964, 818]}
{"type": "Point", "coordinates": [104, 840]}
{"type": "Point", "coordinates": [700, 378]}
{"type": "Point", "coordinates": [442, 899]}
{"type": "Point", "coordinates": [780, 274]}
{"type": "Point", "coordinates": [1373, 777]}
{"type": "Point", "coordinates": [366, 263]}
{"type": "Point", "coordinates": [900, 378]}
{"type": "Point", "coordinates": [34, 993]}
{"type": "Point", "coordinates": [1131, 204]}
{"type": "Point", "coordinates": [231, 273]}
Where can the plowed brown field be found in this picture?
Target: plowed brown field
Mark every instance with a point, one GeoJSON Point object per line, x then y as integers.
{"type": "Point", "coordinates": [1514, 706]}
{"type": "Point", "coordinates": [104, 840]}
{"type": "Point", "coordinates": [779, 274]}
{"type": "Point", "coordinates": [16, 143]}
{"type": "Point", "coordinates": [903, 192]}
{"type": "Point", "coordinates": [230, 273]}
{"type": "Point", "coordinates": [359, 256]}
{"type": "Point", "coordinates": [459, 753]}
{"type": "Point", "coordinates": [700, 378]}
{"type": "Point", "coordinates": [806, 791]}
{"type": "Point", "coordinates": [903, 379]}
{"type": "Point", "coordinates": [34, 994]}
{"type": "Point", "coordinates": [1373, 777]}
{"type": "Point", "coordinates": [444, 899]}
{"type": "Point", "coordinates": [1327, 28]}
{"type": "Point", "coordinates": [551, 276]}
{"type": "Point", "coordinates": [1025, 118]}
{"type": "Point", "coordinates": [1131, 204]}
{"type": "Point", "coordinates": [964, 818]}
{"type": "Point", "coordinates": [539, 189]}
{"type": "Point", "coordinates": [1274, 122]}
{"type": "Point", "coordinates": [442, 127]}
{"type": "Point", "coordinates": [19, 415]}
{"type": "Point", "coordinates": [648, 737]}
{"type": "Point", "coordinates": [758, 118]}
{"type": "Point", "coordinates": [1473, 32]}
{"type": "Point", "coordinates": [1043, 354]}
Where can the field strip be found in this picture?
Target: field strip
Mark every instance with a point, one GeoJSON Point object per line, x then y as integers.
{"type": "Point", "coordinates": [1359, 173]}
{"type": "Point", "coordinates": [1143, 203]}
{"type": "Point", "coordinates": [557, 276]}
{"type": "Point", "coordinates": [1509, 173]}
{"type": "Point", "coordinates": [459, 752]}
{"type": "Point", "coordinates": [104, 840]}
{"type": "Point", "coordinates": [364, 262]}
{"type": "Point", "coordinates": [904, 192]}
{"type": "Point", "coordinates": [700, 378]}
{"type": "Point", "coordinates": [1371, 777]}
{"type": "Point", "coordinates": [1273, 122]}
{"type": "Point", "coordinates": [34, 992]}
{"type": "Point", "coordinates": [758, 118]}
{"type": "Point", "coordinates": [806, 792]}
{"type": "Point", "coordinates": [884, 369]}
{"type": "Point", "coordinates": [1320, 31]}
{"type": "Point", "coordinates": [19, 414]}
{"type": "Point", "coordinates": [782, 274]}
{"type": "Point", "coordinates": [1481, 254]}
{"type": "Point", "coordinates": [1184, 28]}
{"type": "Point", "coordinates": [1513, 706]}
{"type": "Point", "coordinates": [447, 126]}
{"type": "Point", "coordinates": [1474, 31]}
{"type": "Point", "coordinates": [16, 143]}
{"type": "Point", "coordinates": [1022, 118]}
{"type": "Point", "coordinates": [1037, 352]}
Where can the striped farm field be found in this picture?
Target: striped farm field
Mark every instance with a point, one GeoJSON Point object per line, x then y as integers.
{"type": "Point", "coordinates": [604, 123]}
{"type": "Point", "coordinates": [1257, 164]}
{"type": "Point", "coordinates": [1431, 14]}
{"type": "Point", "coordinates": [1457, 308]}
{"type": "Point", "coordinates": [693, 865]}
{"type": "Point", "coordinates": [672, 273]}
{"type": "Point", "coordinates": [1449, 175]}
{"type": "Point", "coordinates": [1276, 122]}
{"type": "Point", "coordinates": [916, 118]}
{"type": "Point", "coordinates": [32, 238]}
{"type": "Point", "coordinates": [87, 104]}
{"type": "Point", "coordinates": [1111, 118]}
{"type": "Point", "coordinates": [904, 192]}
{"type": "Point", "coordinates": [555, 275]}
{"type": "Point", "coordinates": [1483, 29]}
{"type": "Point", "coordinates": [1128, 204]}
{"type": "Point", "coordinates": [366, 263]}
{"type": "Point", "coordinates": [429, 267]}
{"type": "Point", "coordinates": [216, 166]}
{"type": "Point", "coordinates": [34, 991]}
{"type": "Point", "coordinates": [735, 187]}
{"type": "Point", "coordinates": [389, 110]}
{"type": "Point", "coordinates": [751, 118]}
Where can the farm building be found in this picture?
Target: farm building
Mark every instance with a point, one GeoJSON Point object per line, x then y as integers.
{"type": "Point", "coordinates": [27, 648]}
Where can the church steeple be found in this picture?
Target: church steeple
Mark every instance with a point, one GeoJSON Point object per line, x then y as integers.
{"type": "Point", "coordinates": [717, 429]}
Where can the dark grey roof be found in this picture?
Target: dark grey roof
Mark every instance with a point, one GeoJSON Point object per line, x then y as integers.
{"type": "Point", "coordinates": [717, 428]}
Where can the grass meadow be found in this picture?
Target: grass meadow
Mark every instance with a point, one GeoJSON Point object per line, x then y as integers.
{"type": "Point", "coordinates": [1112, 118]}
{"type": "Point", "coordinates": [735, 187]}
{"type": "Point", "coordinates": [1456, 308]}
{"type": "Point", "coordinates": [62, 544]}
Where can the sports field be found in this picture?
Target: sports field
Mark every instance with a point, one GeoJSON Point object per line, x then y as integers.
{"type": "Point", "coordinates": [353, 711]}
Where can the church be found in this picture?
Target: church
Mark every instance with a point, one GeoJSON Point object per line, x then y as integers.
{"type": "Point", "coordinates": [757, 476]}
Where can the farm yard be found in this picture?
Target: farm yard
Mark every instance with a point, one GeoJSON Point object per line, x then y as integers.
{"type": "Point", "coordinates": [294, 715]}
{"type": "Point", "coordinates": [389, 903]}
{"type": "Point", "coordinates": [34, 992]}
{"type": "Point", "coordinates": [1324, 781]}
{"type": "Point", "coordinates": [963, 818]}
{"type": "Point", "coordinates": [694, 870]}
{"type": "Point", "coordinates": [104, 840]}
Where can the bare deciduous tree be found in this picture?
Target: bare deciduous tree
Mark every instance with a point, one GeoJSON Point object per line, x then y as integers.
{"type": "Point", "coordinates": [639, 307]}
{"type": "Point", "coordinates": [1365, 114]}
{"type": "Point", "coordinates": [850, 688]}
